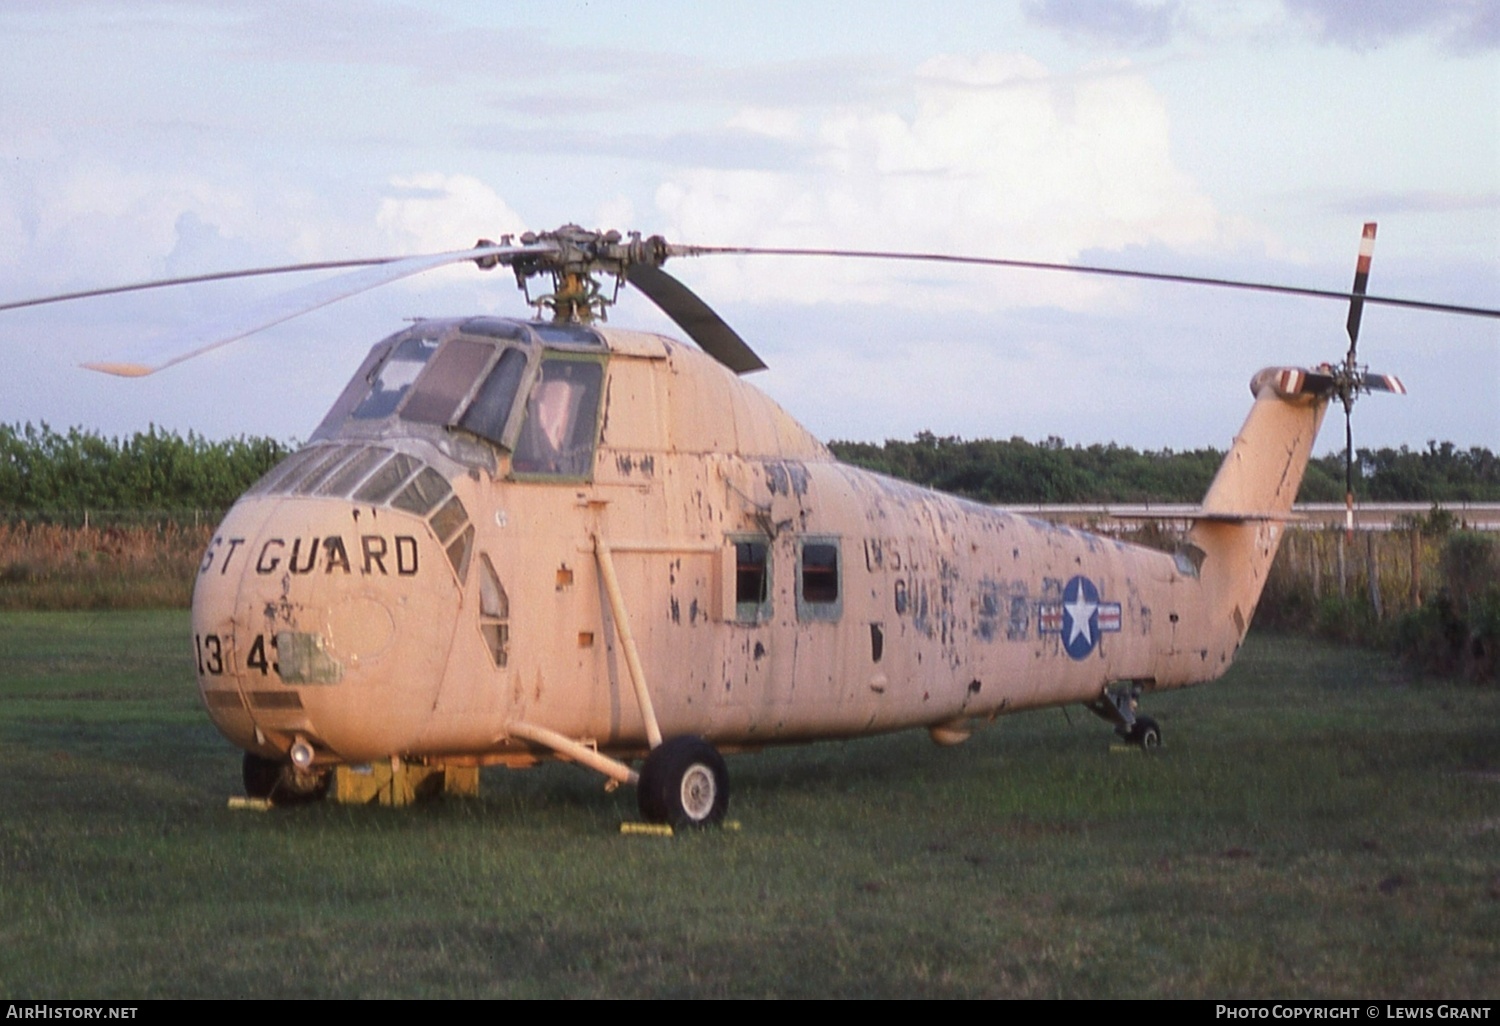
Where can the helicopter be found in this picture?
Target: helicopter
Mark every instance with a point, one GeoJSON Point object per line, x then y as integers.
{"type": "Point", "coordinates": [518, 540]}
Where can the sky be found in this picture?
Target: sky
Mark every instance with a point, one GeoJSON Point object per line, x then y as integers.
{"type": "Point", "coordinates": [1246, 139]}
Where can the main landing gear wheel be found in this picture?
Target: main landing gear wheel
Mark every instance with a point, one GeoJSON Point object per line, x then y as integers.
{"type": "Point", "coordinates": [1145, 733]}
{"type": "Point", "coordinates": [684, 783]}
{"type": "Point", "coordinates": [281, 783]}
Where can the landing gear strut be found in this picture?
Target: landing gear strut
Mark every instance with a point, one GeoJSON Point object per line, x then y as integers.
{"type": "Point", "coordinates": [1118, 705]}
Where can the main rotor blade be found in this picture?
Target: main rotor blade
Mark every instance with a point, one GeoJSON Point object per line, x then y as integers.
{"type": "Point", "coordinates": [196, 279]}
{"type": "Point", "coordinates": [1113, 272]}
{"type": "Point", "coordinates": [695, 317]}
{"type": "Point", "coordinates": [237, 324]}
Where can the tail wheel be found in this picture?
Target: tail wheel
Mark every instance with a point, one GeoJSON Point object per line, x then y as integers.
{"type": "Point", "coordinates": [684, 783]}
{"type": "Point", "coordinates": [1145, 733]}
{"type": "Point", "coordinates": [281, 783]}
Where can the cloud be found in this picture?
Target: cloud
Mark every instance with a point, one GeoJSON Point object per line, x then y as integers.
{"type": "Point", "coordinates": [1461, 26]}
{"type": "Point", "coordinates": [1458, 26]}
{"type": "Point", "coordinates": [1129, 24]}
{"type": "Point", "coordinates": [731, 146]}
{"type": "Point", "coordinates": [97, 221]}
{"type": "Point", "coordinates": [1420, 201]}
{"type": "Point", "coordinates": [535, 74]}
{"type": "Point", "coordinates": [428, 212]}
{"type": "Point", "coordinates": [996, 157]}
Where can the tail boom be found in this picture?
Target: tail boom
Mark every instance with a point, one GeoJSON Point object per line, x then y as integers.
{"type": "Point", "coordinates": [1249, 502]}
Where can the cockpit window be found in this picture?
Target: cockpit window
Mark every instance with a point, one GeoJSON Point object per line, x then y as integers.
{"type": "Point", "coordinates": [448, 378]}
{"type": "Point", "coordinates": [353, 472]}
{"type": "Point", "coordinates": [495, 327]}
{"type": "Point", "coordinates": [384, 482]}
{"type": "Point", "coordinates": [395, 378]}
{"type": "Point", "coordinates": [488, 414]}
{"type": "Point", "coordinates": [562, 413]}
{"type": "Point", "coordinates": [424, 491]}
{"type": "Point", "coordinates": [567, 334]}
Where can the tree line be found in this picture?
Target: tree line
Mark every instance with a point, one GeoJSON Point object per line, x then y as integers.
{"type": "Point", "coordinates": [1019, 471]}
{"type": "Point", "coordinates": [45, 472]}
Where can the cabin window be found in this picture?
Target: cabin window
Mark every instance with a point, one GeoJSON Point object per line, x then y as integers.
{"type": "Point", "coordinates": [819, 568]}
{"type": "Point", "coordinates": [449, 377]}
{"type": "Point", "coordinates": [395, 378]}
{"type": "Point", "coordinates": [752, 581]}
{"type": "Point", "coordinates": [488, 414]}
{"type": "Point", "coordinates": [494, 612]}
{"type": "Point", "coordinates": [1188, 559]}
{"type": "Point", "coordinates": [562, 415]}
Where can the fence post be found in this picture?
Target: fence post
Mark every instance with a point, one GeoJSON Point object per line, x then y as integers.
{"type": "Point", "coordinates": [1416, 569]}
{"type": "Point", "coordinates": [1374, 576]}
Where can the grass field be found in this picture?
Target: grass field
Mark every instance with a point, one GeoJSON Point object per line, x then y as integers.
{"type": "Point", "coordinates": [1318, 825]}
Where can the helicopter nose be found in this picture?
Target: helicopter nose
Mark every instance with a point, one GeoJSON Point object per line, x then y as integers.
{"type": "Point", "coordinates": [322, 620]}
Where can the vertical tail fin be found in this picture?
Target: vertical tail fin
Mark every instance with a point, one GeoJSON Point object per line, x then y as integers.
{"type": "Point", "coordinates": [1244, 512]}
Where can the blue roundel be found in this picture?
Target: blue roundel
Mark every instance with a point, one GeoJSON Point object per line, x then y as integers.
{"type": "Point", "coordinates": [1080, 617]}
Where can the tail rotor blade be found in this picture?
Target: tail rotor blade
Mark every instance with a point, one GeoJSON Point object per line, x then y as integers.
{"type": "Point", "coordinates": [1382, 383]}
{"type": "Point", "coordinates": [1361, 281]}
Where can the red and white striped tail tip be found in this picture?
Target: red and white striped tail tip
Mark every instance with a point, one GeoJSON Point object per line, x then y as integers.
{"type": "Point", "coordinates": [1292, 381]}
{"type": "Point", "coordinates": [1295, 381]}
{"type": "Point", "coordinates": [1366, 249]}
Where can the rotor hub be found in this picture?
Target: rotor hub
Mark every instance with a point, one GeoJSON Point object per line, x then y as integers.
{"type": "Point", "coordinates": [573, 257]}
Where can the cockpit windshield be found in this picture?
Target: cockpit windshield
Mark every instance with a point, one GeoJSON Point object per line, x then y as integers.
{"type": "Point", "coordinates": [447, 381]}
{"type": "Point", "coordinates": [488, 379]}
{"type": "Point", "coordinates": [489, 413]}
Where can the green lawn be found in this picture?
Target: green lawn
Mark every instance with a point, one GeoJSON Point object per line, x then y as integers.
{"type": "Point", "coordinates": [1319, 824]}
